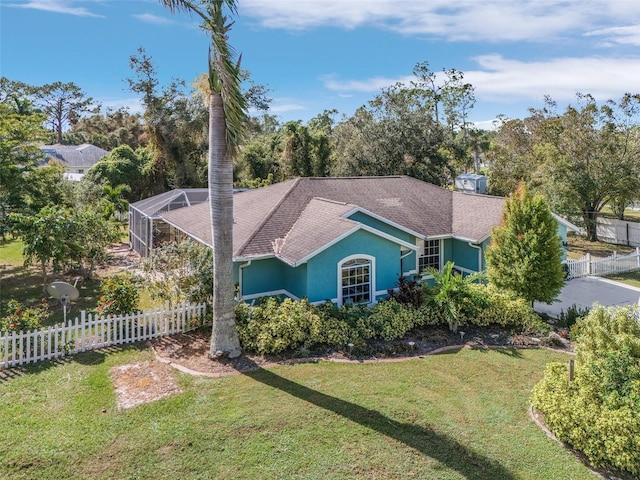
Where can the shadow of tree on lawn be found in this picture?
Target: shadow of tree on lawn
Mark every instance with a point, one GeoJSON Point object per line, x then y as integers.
{"type": "Point", "coordinates": [436, 445]}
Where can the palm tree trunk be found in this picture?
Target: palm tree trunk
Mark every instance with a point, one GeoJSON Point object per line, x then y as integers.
{"type": "Point", "coordinates": [224, 335]}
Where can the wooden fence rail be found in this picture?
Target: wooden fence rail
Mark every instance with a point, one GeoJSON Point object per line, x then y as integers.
{"type": "Point", "coordinates": [90, 332]}
{"type": "Point", "coordinates": [612, 265]}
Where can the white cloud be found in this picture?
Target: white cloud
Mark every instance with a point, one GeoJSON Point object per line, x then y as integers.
{"type": "Point", "coordinates": [629, 35]}
{"type": "Point", "coordinates": [284, 106]}
{"type": "Point", "coordinates": [492, 20]}
{"type": "Point", "coordinates": [374, 84]}
{"type": "Point", "coordinates": [57, 6]}
{"type": "Point", "coordinates": [133, 105]}
{"type": "Point", "coordinates": [154, 19]}
{"type": "Point", "coordinates": [503, 80]}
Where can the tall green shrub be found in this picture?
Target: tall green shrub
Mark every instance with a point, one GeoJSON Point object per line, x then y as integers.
{"type": "Point", "coordinates": [525, 254]}
{"type": "Point", "coordinates": [598, 412]}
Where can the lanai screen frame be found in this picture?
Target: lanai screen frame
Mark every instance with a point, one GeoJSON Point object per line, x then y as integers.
{"type": "Point", "coordinates": [145, 221]}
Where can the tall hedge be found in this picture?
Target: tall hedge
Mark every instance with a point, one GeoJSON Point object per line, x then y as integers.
{"type": "Point", "coordinates": [598, 412]}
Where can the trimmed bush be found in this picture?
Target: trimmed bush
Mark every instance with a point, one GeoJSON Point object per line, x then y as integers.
{"type": "Point", "coordinates": [506, 309]}
{"type": "Point", "coordinates": [276, 326]}
{"type": "Point", "coordinates": [598, 412]}
{"type": "Point", "coordinates": [20, 318]}
{"type": "Point", "coordinates": [120, 295]}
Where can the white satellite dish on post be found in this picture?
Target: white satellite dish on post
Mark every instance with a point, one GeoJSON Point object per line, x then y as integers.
{"type": "Point", "coordinates": [65, 292]}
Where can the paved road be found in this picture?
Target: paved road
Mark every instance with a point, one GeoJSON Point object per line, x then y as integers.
{"type": "Point", "coordinates": [583, 292]}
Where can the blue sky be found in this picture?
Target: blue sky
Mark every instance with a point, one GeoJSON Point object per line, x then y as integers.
{"type": "Point", "coordinates": [323, 54]}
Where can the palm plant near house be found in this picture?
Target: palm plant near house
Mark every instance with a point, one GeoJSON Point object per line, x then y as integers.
{"type": "Point", "coordinates": [452, 293]}
{"type": "Point", "coordinates": [227, 122]}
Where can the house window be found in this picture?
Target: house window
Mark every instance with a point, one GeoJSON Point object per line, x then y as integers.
{"type": "Point", "coordinates": [355, 278]}
{"type": "Point", "coordinates": [429, 256]}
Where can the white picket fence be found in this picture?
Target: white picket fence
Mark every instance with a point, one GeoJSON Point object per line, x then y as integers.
{"type": "Point", "coordinates": [90, 332]}
{"type": "Point", "coordinates": [612, 265]}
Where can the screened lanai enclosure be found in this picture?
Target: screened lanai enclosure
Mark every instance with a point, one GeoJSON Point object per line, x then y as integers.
{"type": "Point", "coordinates": [147, 230]}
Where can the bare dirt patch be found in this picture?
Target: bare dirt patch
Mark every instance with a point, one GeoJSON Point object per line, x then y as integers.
{"type": "Point", "coordinates": [143, 382]}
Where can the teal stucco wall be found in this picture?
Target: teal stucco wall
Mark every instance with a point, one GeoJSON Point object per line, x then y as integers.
{"type": "Point", "coordinates": [317, 280]}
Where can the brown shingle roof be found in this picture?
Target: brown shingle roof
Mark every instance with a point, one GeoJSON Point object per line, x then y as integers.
{"type": "Point", "coordinates": [322, 222]}
{"type": "Point", "coordinates": [474, 215]}
{"type": "Point", "coordinates": [296, 217]}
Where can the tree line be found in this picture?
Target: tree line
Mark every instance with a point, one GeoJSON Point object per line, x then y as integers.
{"type": "Point", "coordinates": [581, 159]}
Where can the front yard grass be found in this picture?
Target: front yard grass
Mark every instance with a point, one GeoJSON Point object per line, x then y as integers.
{"type": "Point", "coordinates": [630, 278]}
{"type": "Point", "coordinates": [460, 415]}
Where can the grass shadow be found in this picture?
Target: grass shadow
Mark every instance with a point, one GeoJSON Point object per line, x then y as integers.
{"type": "Point", "coordinates": [508, 351]}
{"type": "Point", "coordinates": [90, 357]}
{"type": "Point", "coordinates": [423, 439]}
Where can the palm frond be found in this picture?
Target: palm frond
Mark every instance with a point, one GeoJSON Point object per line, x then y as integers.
{"type": "Point", "coordinates": [224, 74]}
{"type": "Point", "coordinates": [224, 70]}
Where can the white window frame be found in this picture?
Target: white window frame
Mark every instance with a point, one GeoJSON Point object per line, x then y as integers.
{"type": "Point", "coordinates": [372, 276]}
{"type": "Point", "coordinates": [421, 253]}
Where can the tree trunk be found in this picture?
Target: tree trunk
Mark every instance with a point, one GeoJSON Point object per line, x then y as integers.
{"type": "Point", "coordinates": [591, 224]}
{"type": "Point", "coordinates": [224, 334]}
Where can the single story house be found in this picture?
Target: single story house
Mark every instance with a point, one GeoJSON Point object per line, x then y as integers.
{"type": "Point", "coordinates": [76, 159]}
{"type": "Point", "coordinates": [346, 240]}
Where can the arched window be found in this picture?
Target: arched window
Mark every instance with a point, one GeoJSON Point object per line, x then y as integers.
{"type": "Point", "coordinates": [356, 280]}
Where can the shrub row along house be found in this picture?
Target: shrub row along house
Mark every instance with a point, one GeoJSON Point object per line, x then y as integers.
{"type": "Point", "coordinates": [347, 240]}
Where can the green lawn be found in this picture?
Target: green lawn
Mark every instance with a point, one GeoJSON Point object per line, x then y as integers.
{"type": "Point", "coordinates": [630, 278]}
{"type": "Point", "coordinates": [24, 284]}
{"type": "Point", "coordinates": [461, 415]}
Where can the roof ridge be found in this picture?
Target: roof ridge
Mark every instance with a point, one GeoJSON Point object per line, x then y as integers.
{"type": "Point", "coordinates": [269, 214]}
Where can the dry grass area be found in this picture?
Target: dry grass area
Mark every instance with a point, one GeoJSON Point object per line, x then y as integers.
{"type": "Point", "coordinates": [142, 382]}
{"type": "Point", "coordinates": [580, 246]}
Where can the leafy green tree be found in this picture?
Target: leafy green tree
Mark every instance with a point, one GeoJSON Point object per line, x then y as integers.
{"type": "Point", "coordinates": [511, 155]}
{"type": "Point", "coordinates": [396, 134]}
{"type": "Point", "coordinates": [45, 237]}
{"type": "Point", "coordinates": [123, 166]}
{"type": "Point", "coordinates": [20, 128]}
{"type": "Point", "coordinates": [46, 186]}
{"type": "Point", "coordinates": [592, 154]}
{"type": "Point", "coordinates": [227, 126]}
{"type": "Point", "coordinates": [63, 104]}
{"type": "Point", "coordinates": [525, 254]}
{"type": "Point", "coordinates": [175, 128]}
{"type": "Point", "coordinates": [108, 131]}
{"type": "Point", "coordinates": [90, 234]}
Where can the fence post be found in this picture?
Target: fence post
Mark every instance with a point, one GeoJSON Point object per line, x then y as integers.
{"type": "Point", "coordinates": [571, 370]}
{"type": "Point", "coordinates": [588, 263]}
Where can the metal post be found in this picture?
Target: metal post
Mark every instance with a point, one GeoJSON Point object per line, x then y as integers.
{"type": "Point", "coordinates": [571, 370]}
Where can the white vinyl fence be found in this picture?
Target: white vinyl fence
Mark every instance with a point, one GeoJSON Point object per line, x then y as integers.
{"type": "Point", "coordinates": [89, 332]}
{"type": "Point", "coordinates": [612, 265]}
{"type": "Point", "coordinates": [620, 232]}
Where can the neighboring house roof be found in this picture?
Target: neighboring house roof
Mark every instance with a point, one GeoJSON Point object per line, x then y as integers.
{"type": "Point", "coordinates": [295, 218]}
{"type": "Point", "coordinates": [82, 156]}
{"type": "Point", "coordinates": [568, 224]}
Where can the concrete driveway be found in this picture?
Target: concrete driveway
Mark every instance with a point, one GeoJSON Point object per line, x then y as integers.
{"type": "Point", "coordinates": [583, 292]}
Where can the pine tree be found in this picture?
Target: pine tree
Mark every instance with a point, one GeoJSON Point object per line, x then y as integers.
{"type": "Point", "coordinates": [525, 254]}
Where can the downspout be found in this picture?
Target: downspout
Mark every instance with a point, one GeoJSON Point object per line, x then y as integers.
{"type": "Point", "coordinates": [240, 278]}
{"type": "Point", "coordinates": [402, 257]}
{"type": "Point", "coordinates": [473, 245]}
